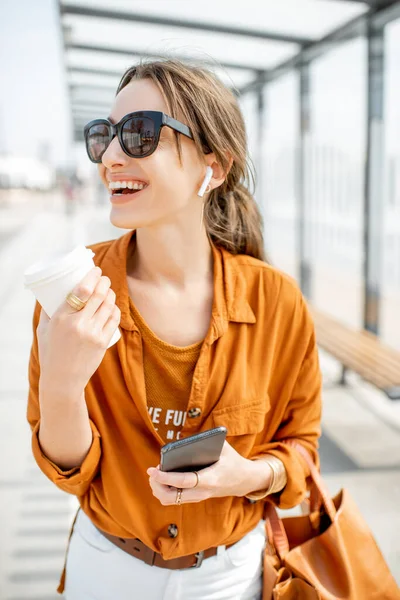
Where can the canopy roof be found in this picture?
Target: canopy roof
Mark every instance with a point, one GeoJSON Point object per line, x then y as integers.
{"type": "Point", "coordinates": [242, 42]}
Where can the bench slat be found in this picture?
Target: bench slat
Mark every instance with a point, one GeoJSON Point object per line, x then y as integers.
{"type": "Point", "coordinates": [364, 341]}
{"type": "Point", "coordinates": [357, 337]}
{"type": "Point", "coordinates": [347, 346]}
{"type": "Point", "coordinates": [360, 351]}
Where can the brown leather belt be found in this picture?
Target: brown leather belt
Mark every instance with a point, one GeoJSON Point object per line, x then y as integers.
{"type": "Point", "coordinates": [139, 550]}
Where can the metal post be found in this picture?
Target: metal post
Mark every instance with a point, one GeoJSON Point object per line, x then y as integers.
{"type": "Point", "coordinates": [305, 273]}
{"type": "Point", "coordinates": [259, 160]}
{"type": "Point", "coordinates": [373, 186]}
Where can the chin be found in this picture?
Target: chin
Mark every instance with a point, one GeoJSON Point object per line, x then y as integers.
{"type": "Point", "coordinates": [125, 221]}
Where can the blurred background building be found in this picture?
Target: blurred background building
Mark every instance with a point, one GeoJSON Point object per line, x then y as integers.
{"type": "Point", "coordinates": [319, 85]}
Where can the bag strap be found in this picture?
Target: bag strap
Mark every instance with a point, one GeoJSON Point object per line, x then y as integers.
{"type": "Point", "coordinates": [275, 530]}
{"type": "Point", "coordinates": [322, 492]}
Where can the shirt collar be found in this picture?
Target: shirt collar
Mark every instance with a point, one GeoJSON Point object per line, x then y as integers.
{"type": "Point", "coordinates": [230, 287]}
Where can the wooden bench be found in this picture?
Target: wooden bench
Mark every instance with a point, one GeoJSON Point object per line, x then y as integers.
{"type": "Point", "coordinates": [359, 351]}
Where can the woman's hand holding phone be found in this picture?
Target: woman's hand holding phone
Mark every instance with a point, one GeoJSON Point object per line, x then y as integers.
{"type": "Point", "coordinates": [232, 475]}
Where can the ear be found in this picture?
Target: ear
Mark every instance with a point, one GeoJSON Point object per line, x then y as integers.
{"type": "Point", "coordinates": [219, 172]}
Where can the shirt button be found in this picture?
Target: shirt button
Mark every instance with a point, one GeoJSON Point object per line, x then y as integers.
{"type": "Point", "coordinates": [194, 412]}
{"type": "Point", "coordinates": [172, 530]}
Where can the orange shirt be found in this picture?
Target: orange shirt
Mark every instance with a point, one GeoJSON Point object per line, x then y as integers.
{"type": "Point", "coordinates": [168, 374]}
{"type": "Point", "coordinates": [257, 374]}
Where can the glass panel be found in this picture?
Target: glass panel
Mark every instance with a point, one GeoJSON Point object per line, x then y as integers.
{"type": "Point", "coordinates": [82, 79]}
{"type": "Point", "coordinates": [233, 78]}
{"type": "Point", "coordinates": [249, 107]}
{"type": "Point", "coordinates": [100, 60]}
{"type": "Point", "coordinates": [89, 104]}
{"type": "Point", "coordinates": [301, 17]}
{"type": "Point", "coordinates": [189, 43]}
{"type": "Point", "coordinates": [87, 94]}
{"type": "Point", "coordinates": [390, 300]}
{"type": "Point", "coordinates": [79, 61]}
{"type": "Point", "coordinates": [335, 179]}
{"type": "Point", "coordinates": [280, 141]}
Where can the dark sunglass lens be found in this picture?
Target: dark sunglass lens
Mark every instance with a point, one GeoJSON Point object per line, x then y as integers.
{"type": "Point", "coordinates": [138, 135]}
{"type": "Point", "coordinates": [98, 140]}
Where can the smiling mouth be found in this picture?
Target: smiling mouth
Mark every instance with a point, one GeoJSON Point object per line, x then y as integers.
{"type": "Point", "coordinates": [119, 188]}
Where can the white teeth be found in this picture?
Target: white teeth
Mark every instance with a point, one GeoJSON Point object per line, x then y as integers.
{"type": "Point", "coordinates": [132, 185]}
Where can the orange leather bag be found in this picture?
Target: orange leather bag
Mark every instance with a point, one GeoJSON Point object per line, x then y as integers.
{"type": "Point", "coordinates": [328, 554]}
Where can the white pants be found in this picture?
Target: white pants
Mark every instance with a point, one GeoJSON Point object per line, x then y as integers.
{"type": "Point", "coordinates": [98, 570]}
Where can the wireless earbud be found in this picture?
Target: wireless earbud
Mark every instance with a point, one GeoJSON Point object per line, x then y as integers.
{"type": "Point", "coordinates": [207, 179]}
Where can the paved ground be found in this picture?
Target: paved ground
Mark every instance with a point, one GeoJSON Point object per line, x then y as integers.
{"type": "Point", "coordinates": [360, 448]}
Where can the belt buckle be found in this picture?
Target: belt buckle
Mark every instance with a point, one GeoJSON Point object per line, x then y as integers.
{"type": "Point", "coordinates": [199, 560]}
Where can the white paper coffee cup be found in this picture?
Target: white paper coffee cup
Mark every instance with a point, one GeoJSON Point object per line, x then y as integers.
{"type": "Point", "coordinates": [52, 279]}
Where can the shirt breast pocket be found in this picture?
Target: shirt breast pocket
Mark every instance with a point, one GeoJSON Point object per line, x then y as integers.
{"type": "Point", "coordinates": [244, 421]}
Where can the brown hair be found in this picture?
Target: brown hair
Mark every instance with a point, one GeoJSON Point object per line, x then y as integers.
{"type": "Point", "coordinates": [231, 215]}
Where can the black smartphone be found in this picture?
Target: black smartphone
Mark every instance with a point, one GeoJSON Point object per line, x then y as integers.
{"type": "Point", "coordinates": [195, 452]}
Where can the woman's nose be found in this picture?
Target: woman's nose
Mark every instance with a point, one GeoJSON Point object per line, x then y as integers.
{"type": "Point", "coordinates": [114, 155]}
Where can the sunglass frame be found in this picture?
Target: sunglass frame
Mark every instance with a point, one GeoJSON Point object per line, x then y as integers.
{"type": "Point", "coordinates": [159, 119]}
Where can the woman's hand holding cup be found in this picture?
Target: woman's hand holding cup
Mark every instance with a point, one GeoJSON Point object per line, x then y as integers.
{"type": "Point", "coordinates": [72, 343]}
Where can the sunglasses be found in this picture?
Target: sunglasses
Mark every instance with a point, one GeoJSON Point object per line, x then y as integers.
{"type": "Point", "coordinates": [138, 133]}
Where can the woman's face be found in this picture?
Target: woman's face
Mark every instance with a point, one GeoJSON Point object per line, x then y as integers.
{"type": "Point", "coordinates": [172, 186]}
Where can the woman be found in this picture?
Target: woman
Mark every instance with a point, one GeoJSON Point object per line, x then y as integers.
{"type": "Point", "coordinates": [211, 335]}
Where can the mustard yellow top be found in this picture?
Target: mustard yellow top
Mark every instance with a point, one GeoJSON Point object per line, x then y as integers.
{"type": "Point", "coordinates": [168, 373]}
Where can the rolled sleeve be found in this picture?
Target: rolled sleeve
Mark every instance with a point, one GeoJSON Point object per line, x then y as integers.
{"type": "Point", "coordinates": [74, 481]}
{"type": "Point", "coordinates": [301, 423]}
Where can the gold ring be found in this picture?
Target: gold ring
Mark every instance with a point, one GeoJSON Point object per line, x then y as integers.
{"type": "Point", "coordinates": [75, 302]}
{"type": "Point", "coordinates": [198, 479]}
{"type": "Point", "coordinates": [178, 500]}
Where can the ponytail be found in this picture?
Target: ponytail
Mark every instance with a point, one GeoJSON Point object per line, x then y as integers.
{"type": "Point", "coordinates": [233, 221]}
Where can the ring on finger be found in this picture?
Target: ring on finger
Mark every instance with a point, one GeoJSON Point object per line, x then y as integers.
{"type": "Point", "coordinates": [197, 479]}
{"type": "Point", "coordinates": [178, 499]}
{"type": "Point", "coordinates": [76, 303]}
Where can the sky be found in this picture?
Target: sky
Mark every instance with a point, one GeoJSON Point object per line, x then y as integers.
{"type": "Point", "coordinates": [33, 102]}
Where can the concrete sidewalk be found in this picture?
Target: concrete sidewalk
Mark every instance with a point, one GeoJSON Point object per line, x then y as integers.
{"type": "Point", "coordinates": [360, 448]}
